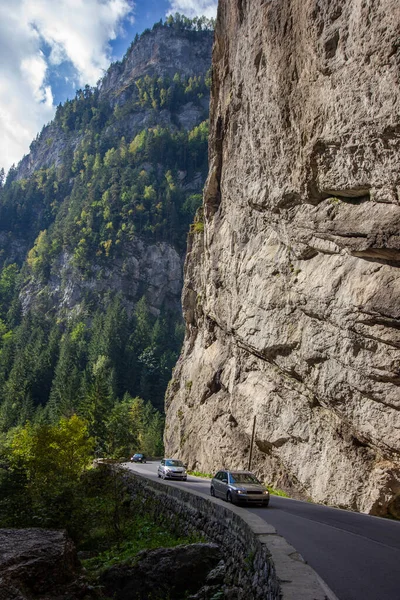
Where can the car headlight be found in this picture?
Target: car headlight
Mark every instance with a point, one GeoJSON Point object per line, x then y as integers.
{"type": "Point", "coordinates": [266, 492]}
{"type": "Point", "coordinates": [241, 491]}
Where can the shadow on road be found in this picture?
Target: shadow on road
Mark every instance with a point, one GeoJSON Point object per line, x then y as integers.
{"type": "Point", "coordinates": [198, 481]}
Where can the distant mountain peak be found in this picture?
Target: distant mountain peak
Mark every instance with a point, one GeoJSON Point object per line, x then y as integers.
{"type": "Point", "coordinates": [161, 52]}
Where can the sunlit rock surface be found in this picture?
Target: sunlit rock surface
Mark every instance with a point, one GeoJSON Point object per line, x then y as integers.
{"type": "Point", "coordinates": [292, 294]}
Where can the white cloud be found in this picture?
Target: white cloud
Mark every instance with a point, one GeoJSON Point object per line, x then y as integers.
{"type": "Point", "coordinates": [194, 8]}
{"type": "Point", "coordinates": [33, 70]}
{"type": "Point", "coordinates": [77, 31]}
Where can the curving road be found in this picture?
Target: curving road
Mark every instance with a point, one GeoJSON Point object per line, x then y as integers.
{"type": "Point", "coordinates": [358, 556]}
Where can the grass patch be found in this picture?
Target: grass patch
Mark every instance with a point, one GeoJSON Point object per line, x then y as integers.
{"type": "Point", "coordinates": [201, 474]}
{"type": "Point", "coordinates": [197, 227]}
{"type": "Point", "coordinates": [142, 534]}
{"type": "Point", "coordinates": [275, 492]}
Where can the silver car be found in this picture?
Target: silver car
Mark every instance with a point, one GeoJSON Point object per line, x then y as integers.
{"type": "Point", "coordinates": [171, 468]}
{"type": "Point", "coordinates": [239, 487]}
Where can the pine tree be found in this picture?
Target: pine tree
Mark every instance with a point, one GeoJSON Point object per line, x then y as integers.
{"type": "Point", "coordinates": [97, 400]}
{"type": "Point", "coordinates": [65, 388]}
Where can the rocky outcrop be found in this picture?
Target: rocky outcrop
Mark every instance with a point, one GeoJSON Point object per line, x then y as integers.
{"type": "Point", "coordinates": [162, 573]}
{"type": "Point", "coordinates": [49, 151]}
{"type": "Point", "coordinates": [292, 292]}
{"type": "Point", "coordinates": [36, 563]}
{"type": "Point", "coordinates": [153, 269]}
{"type": "Point", "coordinates": [160, 53]}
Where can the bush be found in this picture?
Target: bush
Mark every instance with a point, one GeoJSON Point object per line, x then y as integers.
{"type": "Point", "coordinates": [44, 465]}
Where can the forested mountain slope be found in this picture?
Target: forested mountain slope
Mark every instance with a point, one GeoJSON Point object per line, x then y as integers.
{"type": "Point", "coordinates": [93, 226]}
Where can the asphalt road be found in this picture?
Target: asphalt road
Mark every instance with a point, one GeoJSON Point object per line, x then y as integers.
{"type": "Point", "coordinates": [358, 556]}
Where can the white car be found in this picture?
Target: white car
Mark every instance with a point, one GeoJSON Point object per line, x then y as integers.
{"type": "Point", "coordinates": [171, 468]}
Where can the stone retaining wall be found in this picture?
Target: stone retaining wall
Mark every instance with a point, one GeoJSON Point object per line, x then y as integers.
{"type": "Point", "coordinates": [259, 563]}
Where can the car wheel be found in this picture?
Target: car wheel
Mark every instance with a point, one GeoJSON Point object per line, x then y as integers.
{"type": "Point", "coordinates": [229, 497]}
{"type": "Point", "coordinates": [184, 478]}
{"type": "Point", "coordinates": [158, 475]}
{"type": "Point", "coordinates": [212, 492]}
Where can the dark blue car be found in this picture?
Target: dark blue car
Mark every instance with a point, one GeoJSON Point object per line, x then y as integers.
{"type": "Point", "coordinates": [138, 458]}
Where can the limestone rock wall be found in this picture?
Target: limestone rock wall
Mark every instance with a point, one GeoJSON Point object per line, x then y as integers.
{"type": "Point", "coordinates": [151, 269]}
{"type": "Point", "coordinates": [292, 293]}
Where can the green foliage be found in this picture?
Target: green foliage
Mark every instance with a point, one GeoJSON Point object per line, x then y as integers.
{"type": "Point", "coordinates": [179, 21]}
{"type": "Point", "coordinates": [192, 203]}
{"type": "Point", "coordinates": [96, 372]}
{"type": "Point", "coordinates": [219, 595]}
{"type": "Point", "coordinates": [143, 533]}
{"type": "Point", "coordinates": [276, 492]}
{"type": "Point", "coordinates": [132, 426]}
{"type": "Point", "coordinates": [27, 360]}
{"type": "Point", "coordinates": [85, 110]}
{"type": "Point", "coordinates": [37, 258]}
{"type": "Point", "coordinates": [93, 505]}
{"type": "Point", "coordinates": [102, 197]}
{"type": "Point", "coordinates": [197, 227]}
{"type": "Point", "coordinates": [45, 464]}
{"type": "Point", "coordinates": [8, 286]}
{"type": "Point", "coordinates": [29, 206]}
{"type": "Point", "coordinates": [52, 456]}
{"type": "Point", "coordinates": [114, 199]}
{"type": "Point", "coordinates": [201, 474]}
{"type": "Point", "coordinates": [164, 93]}
{"type": "Point", "coordinates": [98, 398]}
{"type": "Point", "coordinates": [42, 483]}
{"type": "Point", "coordinates": [113, 526]}
{"type": "Point", "coordinates": [95, 364]}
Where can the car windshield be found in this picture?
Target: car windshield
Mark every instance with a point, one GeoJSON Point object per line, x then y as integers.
{"type": "Point", "coordinates": [243, 478]}
{"type": "Point", "coordinates": [174, 463]}
{"type": "Point", "coordinates": [138, 455]}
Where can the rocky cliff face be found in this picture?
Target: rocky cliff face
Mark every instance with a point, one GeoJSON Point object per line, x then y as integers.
{"type": "Point", "coordinates": [160, 53]}
{"type": "Point", "coordinates": [291, 295]}
{"type": "Point", "coordinates": [152, 268]}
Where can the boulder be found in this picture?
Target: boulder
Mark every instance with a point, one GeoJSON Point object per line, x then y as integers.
{"type": "Point", "coordinates": [35, 563]}
{"type": "Point", "coordinates": [162, 573]}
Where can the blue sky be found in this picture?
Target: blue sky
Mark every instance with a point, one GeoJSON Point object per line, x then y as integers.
{"type": "Point", "coordinates": [144, 14]}
{"type": "Point", "coordinates": [49, 48]}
